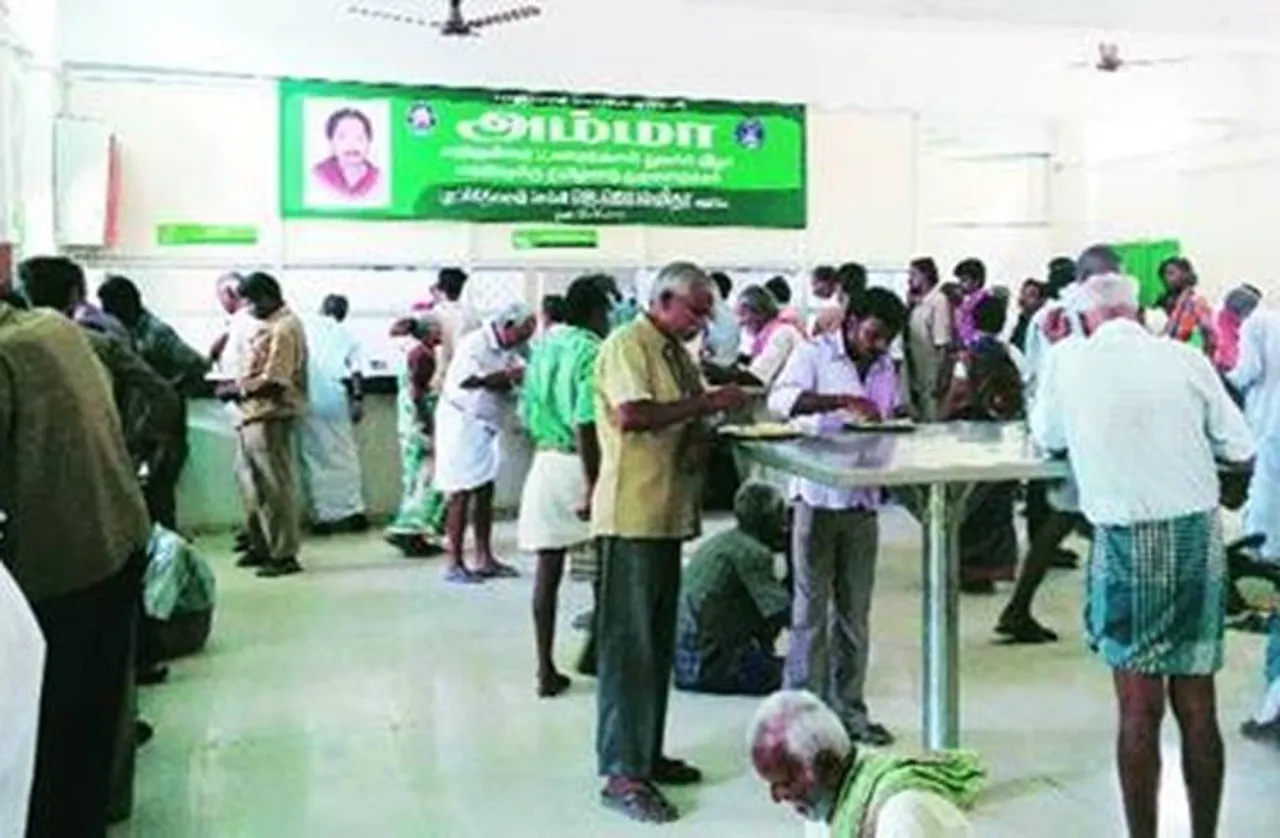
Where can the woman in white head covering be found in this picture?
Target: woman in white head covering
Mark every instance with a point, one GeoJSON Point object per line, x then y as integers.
{"type": "Point", "coordinates": [475, 403]}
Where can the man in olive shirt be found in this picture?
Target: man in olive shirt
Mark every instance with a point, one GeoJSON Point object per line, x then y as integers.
{"type": "Point", "coordinates": [271, 394]}
{"type": "Point", "coordinates": [76, 529]}
{"type": "Point", "coordinates": [732, 606]}
{"type": "Point", "coordinates": [557, 408]}
{"type": "Point", "coordinates": [649, 403]}
{"type": "Point", "coordinates": [151, 411]}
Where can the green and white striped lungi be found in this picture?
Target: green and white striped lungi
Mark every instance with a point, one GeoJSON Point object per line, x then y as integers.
{"type": "Point", "coordinates": [1156, 597]}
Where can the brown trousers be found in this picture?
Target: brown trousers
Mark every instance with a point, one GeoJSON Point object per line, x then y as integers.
{"type": "Point", "coordinates": [264, 468]}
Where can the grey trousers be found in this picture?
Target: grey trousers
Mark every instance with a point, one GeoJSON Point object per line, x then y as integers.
{"type": "Point", "coordinates": [635, 637]}
{"type": "Point", "coordinates": [264, 467]}
{"type": "Point", "coordinates": [835, 574]}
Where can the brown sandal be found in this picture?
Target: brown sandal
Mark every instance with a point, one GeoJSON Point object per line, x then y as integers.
{"type": "Point", "coordinates": [639, 801]}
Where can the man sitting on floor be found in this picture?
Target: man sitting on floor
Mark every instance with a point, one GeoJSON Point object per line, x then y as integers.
{"type": "Point", "coordinates": [1143, 420]}
{"type": "Point", "coordinates": [802, 750]}
{"type": "Point", "coordinates": [732, 607]}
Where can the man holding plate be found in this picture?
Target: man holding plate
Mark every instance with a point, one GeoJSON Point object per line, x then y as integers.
{"type": "Point", "coordinates": [841, 375]}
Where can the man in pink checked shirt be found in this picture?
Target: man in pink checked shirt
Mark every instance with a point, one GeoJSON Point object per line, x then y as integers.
{"type": "Point", "coordinates": [841, 375]}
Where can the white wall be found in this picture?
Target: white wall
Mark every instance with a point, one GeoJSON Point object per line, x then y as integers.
{"type": "Point", "coordinates": [205, 150]}
{"type": "Point", "coordinates": [1191, 153]}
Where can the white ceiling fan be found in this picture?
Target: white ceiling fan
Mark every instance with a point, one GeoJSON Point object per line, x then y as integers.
{"type": "Point", "coordinates": [456, 24]}
{"type": "Point", "coordinates": [1109, 60]}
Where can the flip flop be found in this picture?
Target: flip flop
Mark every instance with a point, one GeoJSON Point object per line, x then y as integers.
{"type": "Point", "coordinates": [673, 772]}
{"type": "Point", "coordinates": [640, 802]}
{"type": "Point", "coordinates": [497, 570]}
{"type": "Point", "coordinates": [1025, 632]}
{"type": "Point", "coordinates": [456, 575]}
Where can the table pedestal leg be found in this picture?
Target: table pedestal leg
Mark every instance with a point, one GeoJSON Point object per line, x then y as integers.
{"type": "Point", "coordinates": [941, 704]}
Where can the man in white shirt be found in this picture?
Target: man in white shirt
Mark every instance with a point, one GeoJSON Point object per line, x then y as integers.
{"type": "Point", "coordinates": [457, 319]}
{"type": "Point", "coordinates": [930, 334]}
{"type": "Point", "coordinates": [1257, 376]}
{"type": "Point", "coordinates": [475, 405]}
{"type": "Point", "coordinates": [22, 654]}
{"type": "Point", "coordinates": [722, 339]}
{"type": "Point", "coordinates": [840, 376]}
{"type": "Point", "coordinates": [327, 435]}
{"type": "Point", "coordinates": [1143, 420]}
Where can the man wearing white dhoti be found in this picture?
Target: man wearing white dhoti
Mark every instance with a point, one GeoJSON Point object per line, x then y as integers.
{"type": "Point", "coordinates": [557, 409]}
{"type": "Point", "coordinates": [327, 436]}
{"type": "Point", "coordinates": [22, 657]}
{"type": "Point", "coordinates": [475, 403]}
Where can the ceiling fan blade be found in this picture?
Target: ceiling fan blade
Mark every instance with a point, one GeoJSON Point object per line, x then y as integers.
{"type": "Point", "coordinates": [509, 16]}
{"type": "Point", "coordinates": [1152, 62]}
{"type": "Point", "coordinates": [388, 15]}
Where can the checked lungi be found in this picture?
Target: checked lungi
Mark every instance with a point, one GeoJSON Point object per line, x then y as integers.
{"type": "Point", "coordinates": [1156, 598]}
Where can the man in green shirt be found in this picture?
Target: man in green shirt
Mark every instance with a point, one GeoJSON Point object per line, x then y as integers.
{"type": "Point", "coordinates": [557, 408]}
{"type": "Point", "coordinates": [732, 607]}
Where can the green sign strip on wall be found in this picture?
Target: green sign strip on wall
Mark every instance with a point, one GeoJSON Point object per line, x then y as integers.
{"type": "Point", "coordinates": [553, 237]}
{"type": "Point", "coordinates": [388, 152]}
{"type": "Point", "coordinates": [179, 235]}
{"type": "Point", "coordinates": [1142, 261]}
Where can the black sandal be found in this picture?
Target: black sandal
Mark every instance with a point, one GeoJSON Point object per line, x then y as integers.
{"type": "Point", "coordinates": [1026, 632]}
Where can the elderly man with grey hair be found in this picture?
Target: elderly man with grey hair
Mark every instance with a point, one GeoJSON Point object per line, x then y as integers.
{"type": "Point", "coordinates": [1144, 420]}
{"type": "Point", "coordinates": [800, 748]}
{"type": "Point", "coordinates": [475, 405]}
{"type": "Point", "coordinates": [650, 403]}
{"type": "Point", "coordinates": [732, 605]}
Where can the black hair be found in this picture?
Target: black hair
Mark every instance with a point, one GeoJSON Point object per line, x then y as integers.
{"type": "Point", "coordinates": [972, 270]}
{"type": "Point", "coordinates": [335, 306]}
{"type": "Point", "coordinates": [337, 117]}
{"type": "Point", "coordinates": [928, 267]}
{"type": "Point", "coordinates": [451, 281]}
{"type": "Point", "coordinates": [586, 298]}
{"type": "Point", "coordinates": [1180, 262]}
{"type": "Point", "coordinates": [991, 313]}
{"type": "Point", "coordinates": [50, 281]}
{"type": "Point", "coordinates": [1097, 260]}
{"type": "Point", "coordinates": [780, 289]}
{"type": "Point", "coordinates": [852, 277]}
{"type": "Point", "coordinates": [259, 286]}
{"type": "Point", "coordinates": [1062, 272]}
{"type": "Point", "coordinates": [883, 305]}
{"type": "Point", "coordinates": [826, 273]}
{"type": "Point", "coordinates": [14, 297]}
{"type": "Point", "coordinates": [1040, 287]}
{"type": "Point", "coordinates": [553, 308]}
{"type": "Point", "coordinates": [723, 283]}
{"type": "Point", "coordinates": [119, 293]}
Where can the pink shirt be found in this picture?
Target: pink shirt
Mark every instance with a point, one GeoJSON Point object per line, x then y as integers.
{"type": "Point", "coordinates": [329, 172]}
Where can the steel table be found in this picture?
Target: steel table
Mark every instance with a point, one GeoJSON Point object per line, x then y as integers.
{"type": "Point", "coordinates": [933, 469]}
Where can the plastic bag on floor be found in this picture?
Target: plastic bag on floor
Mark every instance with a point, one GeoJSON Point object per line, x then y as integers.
{"type": "Point", "coordinates": [178, 579]}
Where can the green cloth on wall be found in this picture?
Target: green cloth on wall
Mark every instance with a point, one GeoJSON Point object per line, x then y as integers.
{"type": "Point", "coordinates": [1142, 261]}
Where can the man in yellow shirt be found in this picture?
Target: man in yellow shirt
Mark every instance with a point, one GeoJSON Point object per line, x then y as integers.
{"type": "Point", "coordinates": [271, 393]}
{"type": "Point", "coordinates": [650, 401]}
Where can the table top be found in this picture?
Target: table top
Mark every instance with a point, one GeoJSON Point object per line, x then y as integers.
{"type": "Point", "coordinates": [951, 452]}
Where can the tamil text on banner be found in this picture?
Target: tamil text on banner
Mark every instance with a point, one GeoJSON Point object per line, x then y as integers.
{"type": "Point", "coordinates": [365, 151]}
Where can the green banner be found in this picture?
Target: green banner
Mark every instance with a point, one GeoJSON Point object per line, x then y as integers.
{"type": "Point", "coordinates": [177, 235]}
{"type": "Point", "coordinates": [391, 152]}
